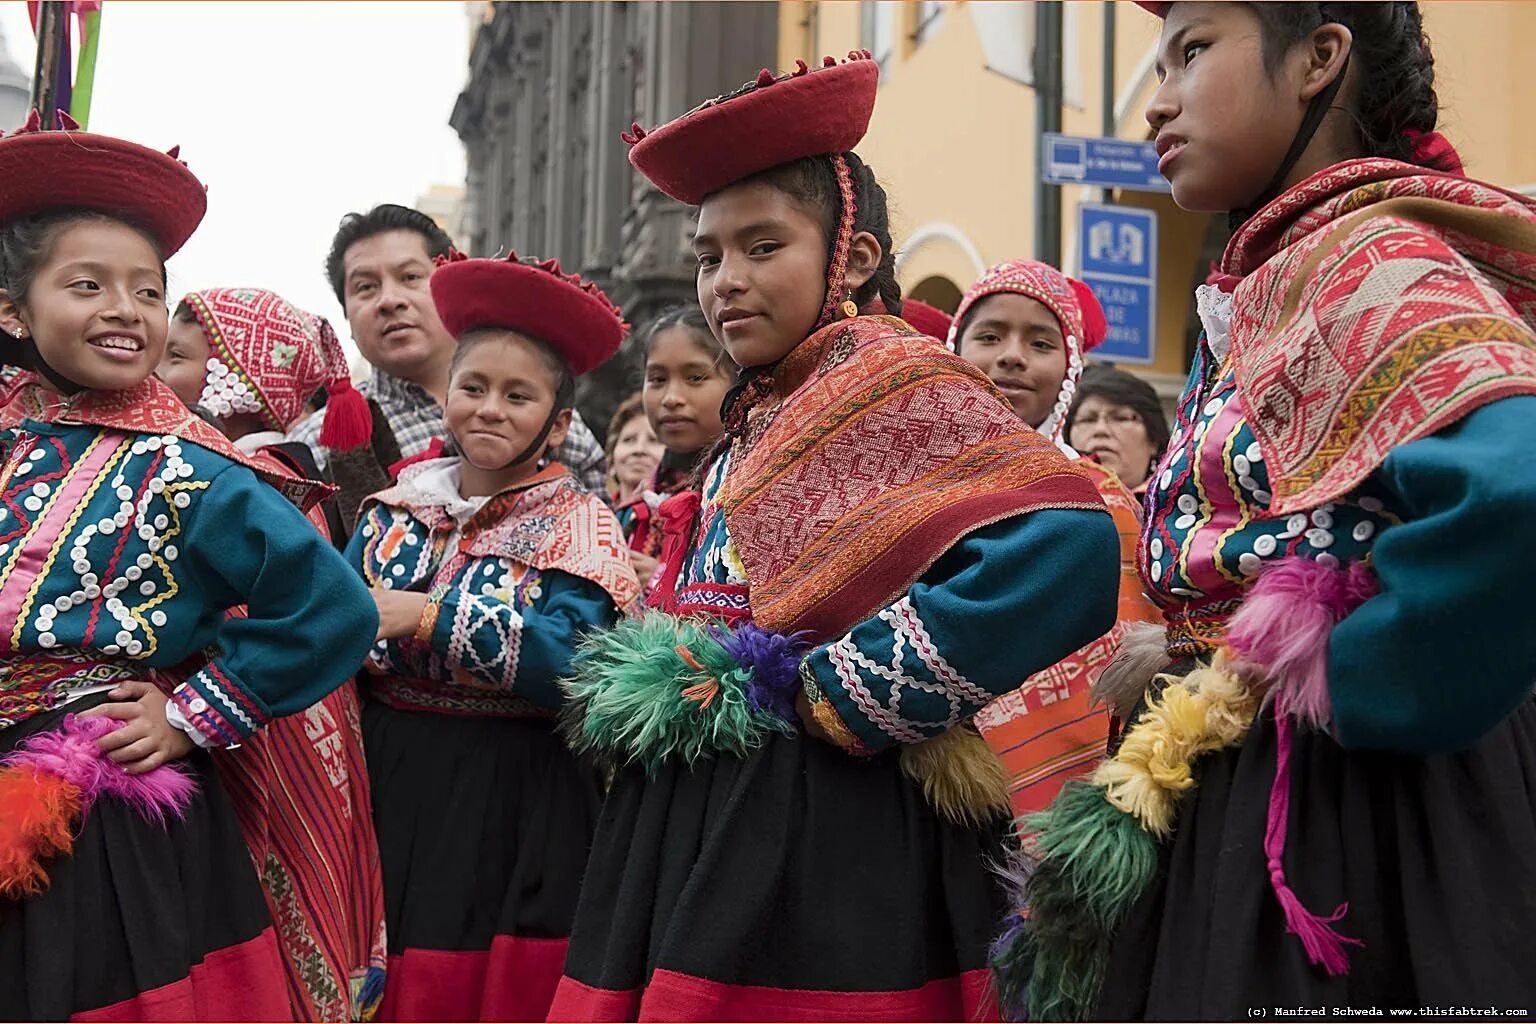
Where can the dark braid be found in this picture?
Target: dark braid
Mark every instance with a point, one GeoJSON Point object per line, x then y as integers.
{"type": "Point", "coordinates": [1394, 67]}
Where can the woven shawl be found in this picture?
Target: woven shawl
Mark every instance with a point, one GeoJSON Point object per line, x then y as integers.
{"type": "Point", "coordinates": [547, 522]}
{"type": "Point", "coordinates": [150, 407]}
{"type": "Point", "coordinates": [1379, 303]}
{"type": "Point", "coordinates": [876, 453]}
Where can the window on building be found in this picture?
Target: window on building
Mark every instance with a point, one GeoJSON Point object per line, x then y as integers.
{"type": "Point", "coordinates": [1007, 32]}
{"type": "Point", "coordinates": [877, 27]}
{"type": "Point", "coordinates": [929, 14]}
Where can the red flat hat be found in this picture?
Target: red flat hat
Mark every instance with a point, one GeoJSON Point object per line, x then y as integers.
{"type": "Point", "coordinates": [43, 172]}
{"type": "Point", "coordinates": [767, 122]}
{"type": "Point", "coordinates": [570, 315]}
{"type": "Point", "coordinates": [931, 320]}
{"type": "Point", "coordinates": [1159, 9]}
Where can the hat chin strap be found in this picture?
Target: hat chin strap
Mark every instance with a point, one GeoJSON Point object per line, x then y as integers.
{"type": "Point", "coordinates": [1310, 122]}
{"type": "Point", "coordinates": [61, 383]}
{"type": "Point", "coordinates": [534, 445]}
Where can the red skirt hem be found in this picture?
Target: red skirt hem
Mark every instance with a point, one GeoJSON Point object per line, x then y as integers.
{"type": "Point", "coordinates": [672, 996]}
{"type": "Point", "coordinates": [514, 980]}
{"type": "Point", "coordinates": [246, 981]}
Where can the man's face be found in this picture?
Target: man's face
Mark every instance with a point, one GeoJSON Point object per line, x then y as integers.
{"type": "Point", "coordinates": [389, 307]}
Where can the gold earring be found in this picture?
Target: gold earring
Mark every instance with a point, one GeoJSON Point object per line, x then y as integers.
{"type": "Point", "coordinates": [849, 308]}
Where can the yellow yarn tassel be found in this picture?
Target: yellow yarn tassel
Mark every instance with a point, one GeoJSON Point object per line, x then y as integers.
{"type": "Point", "coordinates": [1207, 710]}
{"type": "Point", "coordinates": [963, 779]}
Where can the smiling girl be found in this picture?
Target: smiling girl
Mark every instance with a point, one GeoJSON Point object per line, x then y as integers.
{"type": "Point", "coordinates": [802, 817]}
{"type": "Point", "coordinates": [1322, 797]}
{"type": "Point", "coordinates": [1028, 327]}
{"type": "Point", "coordinates": [129, 527]}
{"type": "Point", "coordinates": [488, 566]}
{"type": "Point", "coordinates": [687, 375]}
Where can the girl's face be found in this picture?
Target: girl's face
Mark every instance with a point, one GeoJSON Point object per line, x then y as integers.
{"type": "Point", "coordinates": [185, 364]}
{"type": "Point", "coordinates": [762, 267]}
{"type": "Point", "coordinates": [96, 307]}
{"type": "Point", "coordinates": [1115, 435]}
{"type": "Point", "coordinates": [1017, 342]}
{"type": "Point", "coordinates": [685, 385]}
{"type": "Point", "coordinates": [1223, 124]}
{"type": "Point", "coordinates": [499, 396]}
{"type": "Point", "coordinates": [636, 453]}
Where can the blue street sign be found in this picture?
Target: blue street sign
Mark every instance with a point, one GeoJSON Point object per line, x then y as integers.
{"type": "Point", "coordinates": [1102, 163]}
{"type": "Point", "coordinates": [1117, 258]}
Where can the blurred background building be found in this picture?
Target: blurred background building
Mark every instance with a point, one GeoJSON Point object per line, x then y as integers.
{"type": "Point", "coordinates": [551, 85]}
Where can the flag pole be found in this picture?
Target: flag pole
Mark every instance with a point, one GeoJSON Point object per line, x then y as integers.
{"type": "Point", "coordinates": [52, 30]}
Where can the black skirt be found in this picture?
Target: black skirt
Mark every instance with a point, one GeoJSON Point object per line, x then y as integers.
{"type": "Point", "coordinates": [484, 826]}
{"type": "Point", "coordinates": [797, 883]}
{"type": "Point", "coordinates": [143, 921]}
{"type": "Point", "coordinates": [1435, 856]}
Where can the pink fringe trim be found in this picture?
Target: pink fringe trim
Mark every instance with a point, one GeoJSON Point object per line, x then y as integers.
{"type": "Point", "coordinates": [1324, 945]}
{"type": "Point", "coordinates": [1283, 625]}
{"type": "Point", "coordinates": [70, 752]}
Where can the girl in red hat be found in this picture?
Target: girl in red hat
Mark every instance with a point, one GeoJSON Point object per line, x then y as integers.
{"type": "Point", "coordinates": [1323, 795]}
{"type": "Point", "coordinates": [687, 374]}
{"type": "Point", "coordinates": [248, 359]}
{"type": "Point", "coordinates": [803, 818]}
{"type": "Point", "coordinates": [488, 565]}
{"type": "Point", "coordinates": [1029, 327]}
{"type": "Point", "coordinates": [129, 526]}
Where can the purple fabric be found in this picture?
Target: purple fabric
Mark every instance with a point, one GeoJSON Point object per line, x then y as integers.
{"type": "Point", "coordinates": [774, 661]}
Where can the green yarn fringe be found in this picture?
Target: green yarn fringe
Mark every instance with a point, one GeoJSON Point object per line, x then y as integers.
{"type": "Point", "coordinates": [1087, 863]}
{"type": "Point", "coordinates": [626, 695]}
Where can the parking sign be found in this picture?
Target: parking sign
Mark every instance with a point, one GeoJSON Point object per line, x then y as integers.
{"type": "Point", "coordinates": [1117, 258]}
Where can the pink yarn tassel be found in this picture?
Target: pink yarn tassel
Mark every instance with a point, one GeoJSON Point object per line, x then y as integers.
{"type": "Point", "coordinates": [1283, 625]}
{"type": "Point", "coordinates": [1324, 946]}
{"type": "Point", "coordinates": [70, 751]}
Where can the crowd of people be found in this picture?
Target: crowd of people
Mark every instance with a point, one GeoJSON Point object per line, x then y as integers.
{"type": "Point", "coordinates": [885, 665]}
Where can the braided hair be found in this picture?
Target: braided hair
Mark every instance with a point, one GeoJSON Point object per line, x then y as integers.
{"type": "Point", "coordinates": [1395, 68]}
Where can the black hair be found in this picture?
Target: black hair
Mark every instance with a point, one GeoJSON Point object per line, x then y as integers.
{"type": "Point", "coordinates": [561, 380]}
{"type": "Point", "coordinates": [355, 227]}
{"type": "Point", "coordinates": [691, 318]}
{"type": "Point", "coordinates": [812, 182]}
{"type": "Point", "coordinates": [26, 244]}
{"type": "Point", "coordinates": [1393, 66]}
{"type": "Point", "coordinates": [1120, 388]}
{"type": "Point", "coordinates": [184, 313]}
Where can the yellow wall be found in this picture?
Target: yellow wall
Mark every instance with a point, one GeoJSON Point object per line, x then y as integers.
{"type": "Point", "coordinates": [954, 142]}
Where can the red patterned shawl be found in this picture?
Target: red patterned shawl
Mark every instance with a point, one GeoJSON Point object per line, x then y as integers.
{"type": "Point", "coordinates": [1379, 303]}
{"type": "Point", "coordinates": [884, 451]}
{"type": "Point", "coordinates": [150, 408]}
{"type": "Point", "coordinates": [547, 522]}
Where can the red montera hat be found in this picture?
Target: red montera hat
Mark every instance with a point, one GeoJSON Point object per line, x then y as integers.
{"type": "Point", "coordinates": [767, 122]}
{"type": "Point", "coordinates": [44, 172]}
{"type": "Point", "coordinates": [931, 320]}
{"type": "Point", "coordinates": [268, 356]}
{"type": "Point", "coordinates": [570, 315]}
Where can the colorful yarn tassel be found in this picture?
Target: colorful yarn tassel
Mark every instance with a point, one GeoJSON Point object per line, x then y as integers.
{"type": "Point", "coordinates": [1281, 630]}
{"type": "Point", "coordinates": [52, 779]}
{"type": "Point", "coordinates": [367, 994]}
{"type": "Point", "coordinates": [660, 687]}
{"type": "Point", "coordinates": [1324, 945]}
{"type": "Point", "coordinates": [1280, 634]}
{"type": "Point", "coordinates": [962, 778]}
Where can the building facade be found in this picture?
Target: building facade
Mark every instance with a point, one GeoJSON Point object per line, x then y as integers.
{"type": "Point", "coordinates": [954, 135]}
{"type": "Point", "coordinates": [15, 89]}
{"type": "Point", "coordinates": [551, 87]}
